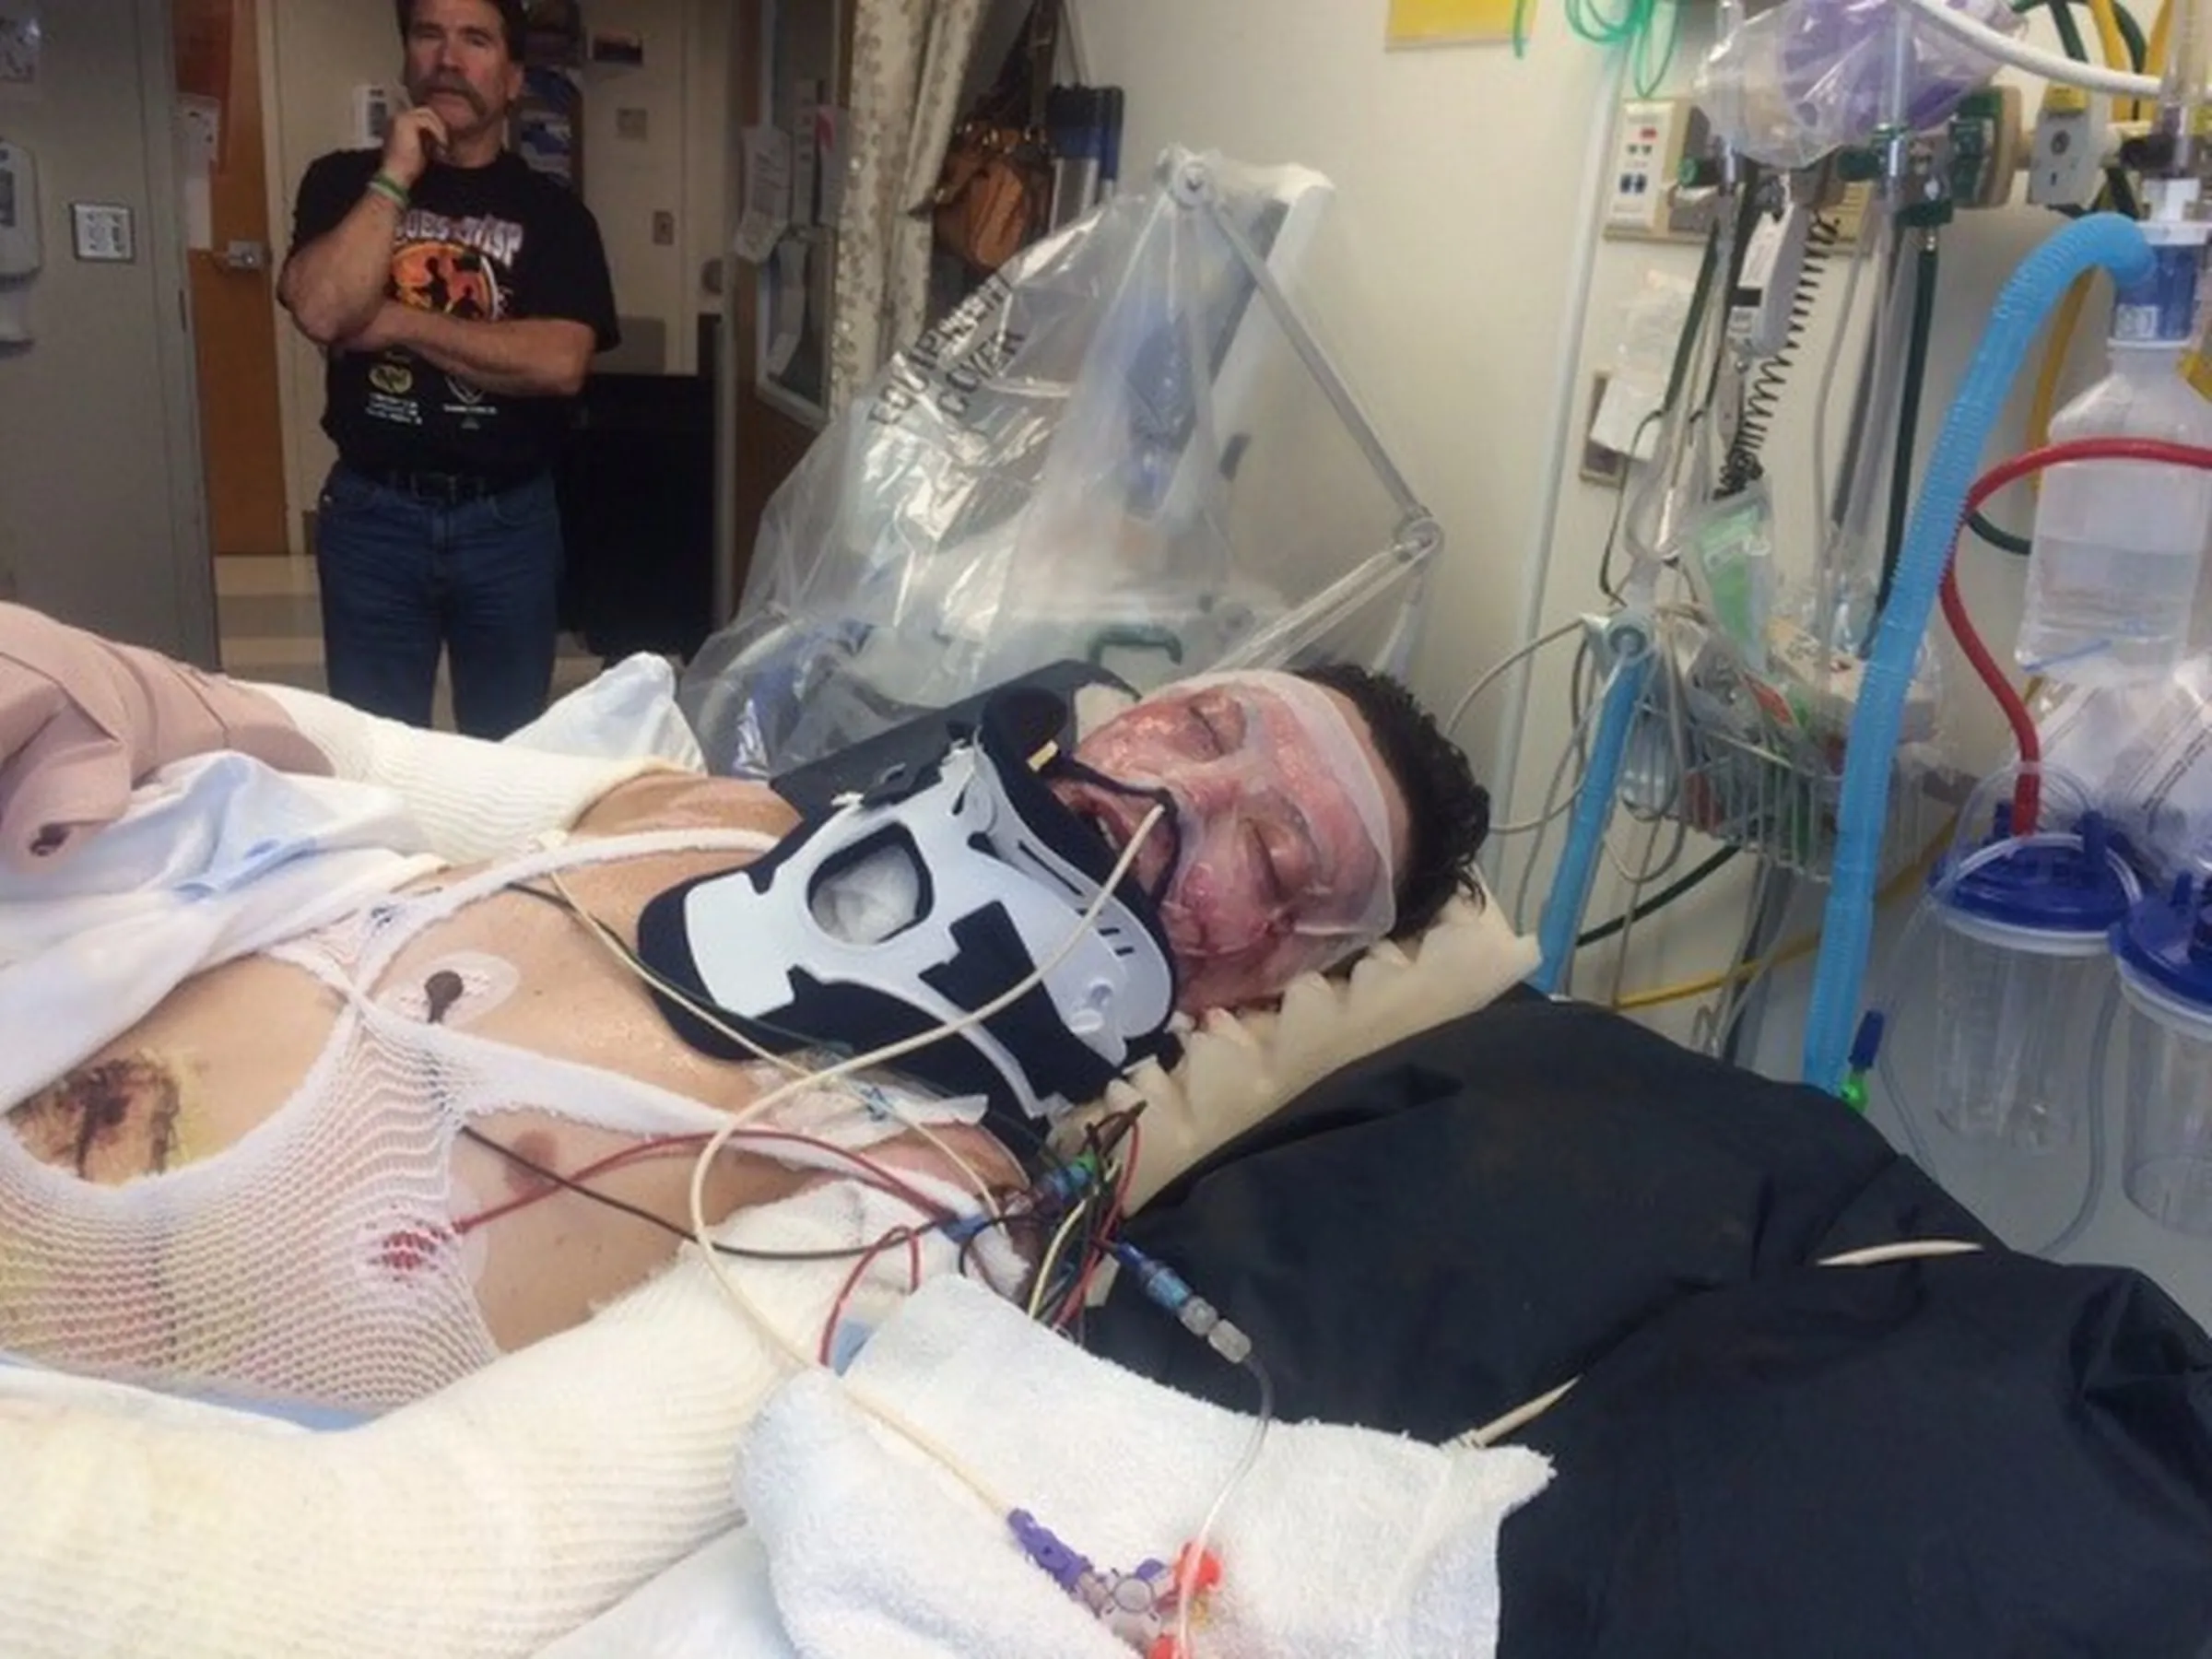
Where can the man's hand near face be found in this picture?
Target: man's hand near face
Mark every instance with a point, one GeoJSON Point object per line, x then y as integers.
{"type": "Point", "coordinates": [412, 142]}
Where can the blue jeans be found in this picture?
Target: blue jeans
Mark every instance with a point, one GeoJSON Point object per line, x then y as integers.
{"type": "Point", "coordinates": [403, 574]}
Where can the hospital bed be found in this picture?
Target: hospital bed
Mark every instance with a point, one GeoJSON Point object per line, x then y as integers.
{"type": "Point", "coordinates": [1968, 1454]}
{"type": "Point", "coordinates": [1691, 1363]}
{"type": "Point", "coordinates": [1963, 1454]}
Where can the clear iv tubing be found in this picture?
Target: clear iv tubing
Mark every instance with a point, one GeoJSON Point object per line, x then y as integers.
{"type": "Point", "coordinates": [1900, 1098]}
{"type": "Point", "coordinates": [1187, 1596]}
{"type": "Point", "coordinates": [1824, 506]}
{"type": "Point", "coordinates": [2100, 241]}
{"type": "Point", "coordinates": [1650, 521]}
{"type": "Point", "coordinates": [1844, 546]}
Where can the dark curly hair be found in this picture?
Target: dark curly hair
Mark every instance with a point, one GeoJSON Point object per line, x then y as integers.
{"type": "Point", "coordinates": [1448, 814]}
{"type": "Point", "coordinates": [514, 18]}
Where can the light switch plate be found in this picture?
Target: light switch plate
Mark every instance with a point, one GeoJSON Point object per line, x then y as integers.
{"type": "Point", "coordinates": [104, 232]}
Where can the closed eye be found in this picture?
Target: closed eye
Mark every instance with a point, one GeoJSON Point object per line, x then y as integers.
{"type": "Point", "coordinates": [1209, 728]}
{"type": "Point", "coordinates": [1272, 877]}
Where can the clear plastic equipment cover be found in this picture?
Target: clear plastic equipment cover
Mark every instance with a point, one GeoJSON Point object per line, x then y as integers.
{"type": "Point", "coordinates": [1811, 76]}
{"type": "Point", "coordinates": [1126, 448]}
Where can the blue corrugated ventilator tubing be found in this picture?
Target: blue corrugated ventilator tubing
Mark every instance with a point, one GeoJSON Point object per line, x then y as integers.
{"type": "Point", "coordinates": [2101, 241]}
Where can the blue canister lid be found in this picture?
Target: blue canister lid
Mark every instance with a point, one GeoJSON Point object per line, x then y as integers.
{"type": "Point", "coordinates": [2167, 939]}
{"type": "Point", "coordinates": [2065, 884]}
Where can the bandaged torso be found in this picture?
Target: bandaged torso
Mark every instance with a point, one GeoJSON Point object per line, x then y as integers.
{"type": "Point", "coordinates": [302, 1234]}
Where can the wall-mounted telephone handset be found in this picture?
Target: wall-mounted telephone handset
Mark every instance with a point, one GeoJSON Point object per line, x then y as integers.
{"type": "Point", "coordinates": [20, 250]}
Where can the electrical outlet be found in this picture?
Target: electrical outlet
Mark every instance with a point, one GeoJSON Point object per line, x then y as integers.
{"type": "Point", "coordinates": [663, 228]}
{"type": "Point", "coordinates": [1647, 153]}
{"type": "Point", "coordinates": [103, 232]}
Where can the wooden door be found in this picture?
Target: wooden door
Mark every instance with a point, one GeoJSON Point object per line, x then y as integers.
{"type": "Point", "coordinates": [223, 163]}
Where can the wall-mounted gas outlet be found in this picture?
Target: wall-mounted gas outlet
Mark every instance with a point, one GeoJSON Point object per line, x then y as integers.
{"type": "Point", "coordinates": [1647, 153]}
{"type": "Point", "coordinates": [2065, 156]}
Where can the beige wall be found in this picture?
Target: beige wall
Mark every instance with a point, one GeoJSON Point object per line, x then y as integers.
{"type": "Point", "coordinates": [100, 514]}
{"type": "Point", "coordinates": [1458, 173]}
{"type": "Point", "coordinates": [319, 50]}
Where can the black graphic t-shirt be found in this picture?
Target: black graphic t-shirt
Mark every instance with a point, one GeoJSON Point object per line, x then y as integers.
{"type": "Point", "coordinates": [485, 244]}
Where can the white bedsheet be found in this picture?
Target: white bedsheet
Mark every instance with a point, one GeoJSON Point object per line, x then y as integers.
{"type": "Point", "coordinates": [716, 1604]}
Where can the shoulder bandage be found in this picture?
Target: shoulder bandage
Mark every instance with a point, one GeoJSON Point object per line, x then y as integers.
{"type": "Point", "coordinates": [473, 800]}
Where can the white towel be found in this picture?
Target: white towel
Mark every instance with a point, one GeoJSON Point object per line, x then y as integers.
{"type": "Point", "coordinates": [1339, 1541]}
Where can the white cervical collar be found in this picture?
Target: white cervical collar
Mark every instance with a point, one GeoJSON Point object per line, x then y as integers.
{"type": "Point", "coordinates": [895, 915]}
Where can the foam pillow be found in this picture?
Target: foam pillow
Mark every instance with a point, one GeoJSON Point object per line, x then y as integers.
{"type": "Point", "coordinates": [1239, 1068]}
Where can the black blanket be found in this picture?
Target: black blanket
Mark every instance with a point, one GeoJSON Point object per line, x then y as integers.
{"type": "Point", "coordinates": [1986, 1455]}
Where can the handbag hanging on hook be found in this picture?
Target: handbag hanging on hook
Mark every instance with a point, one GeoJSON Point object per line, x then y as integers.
{"type": "Point", "coordinates": [994, 195]}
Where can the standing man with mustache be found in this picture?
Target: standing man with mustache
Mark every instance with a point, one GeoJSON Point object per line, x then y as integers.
{"type": "Point", "coordinates": [459, 296]}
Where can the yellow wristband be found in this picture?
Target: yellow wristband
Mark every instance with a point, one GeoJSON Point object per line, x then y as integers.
{"type": "Point", "coordinates": [389, 188]}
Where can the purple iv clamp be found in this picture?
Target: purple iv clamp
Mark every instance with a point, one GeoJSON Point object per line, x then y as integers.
{"type": "Point", "coordinates": [1813, 77]}
{"type": "Point", "coordinates": [1140, 1608]}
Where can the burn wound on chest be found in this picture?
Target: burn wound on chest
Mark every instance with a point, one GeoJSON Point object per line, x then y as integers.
{"type": "Point", "coordinates": [110, 1122]}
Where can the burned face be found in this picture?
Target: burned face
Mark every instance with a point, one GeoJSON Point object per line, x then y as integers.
{"type": "Point", "coordinates": [1286, 827]}
{"type": "Point", "coordinates": [458, 65]}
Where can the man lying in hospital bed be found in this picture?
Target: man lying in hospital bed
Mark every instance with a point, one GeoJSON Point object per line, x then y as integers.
{"type": "Point", "coordinates": [319, 1139]}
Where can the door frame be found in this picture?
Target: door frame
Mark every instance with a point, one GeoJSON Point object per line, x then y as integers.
{"type": "Point", "coordinates": [176, 373]}
{"type": "Point", "coordinates": [739, 401]}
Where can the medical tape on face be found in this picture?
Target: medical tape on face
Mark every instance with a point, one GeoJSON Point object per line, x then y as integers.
{"type": "Point", "coordinates": [1350, 762]}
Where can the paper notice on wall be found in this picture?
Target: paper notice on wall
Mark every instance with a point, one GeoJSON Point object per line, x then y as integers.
{"type": "Point", "coordinates": [22, 51]}
{"type": "Point", "coordinates": [199, 141]}
{"type": "Point", "coordinates": [790, 306]}
{"type": "Point", "coordinates": [1626, 420]}
{"type": "Point", "coordinates": [803, 156]}
{"type": "Point", "coordinates": [767, 194]}
{"type": "Point", "coordinates": [829, 152]}
{"type": "Point", "coordinates": [1449, 22]}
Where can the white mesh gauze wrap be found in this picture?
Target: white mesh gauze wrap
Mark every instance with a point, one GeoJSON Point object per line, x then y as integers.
{"type": "Point", "coordinates": [471, 799]}
{"type": "Point", "coordinates": [293, 1266]}
{"type": "Point", "coordinates": [480, 1523]}
{"type": "Point", "coordinates": [314, 1260]}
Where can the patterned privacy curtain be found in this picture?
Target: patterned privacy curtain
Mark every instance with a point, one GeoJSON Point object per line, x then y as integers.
{"type": "Point", "coordinates": [909, 58]}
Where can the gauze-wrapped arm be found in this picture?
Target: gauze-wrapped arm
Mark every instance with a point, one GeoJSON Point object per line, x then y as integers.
{"type": "Point", "coordinates": [479, 1524]}
{"type": "Point", "coordinates": [83, 721]}
{"type": "Point", "coordinates": [473, 799]}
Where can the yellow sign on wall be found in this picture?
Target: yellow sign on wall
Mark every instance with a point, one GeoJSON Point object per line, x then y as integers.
{"type": "Point", "coordinates": [1449, 22]}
